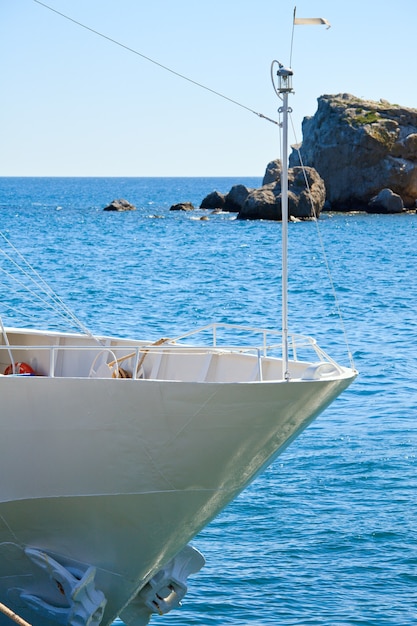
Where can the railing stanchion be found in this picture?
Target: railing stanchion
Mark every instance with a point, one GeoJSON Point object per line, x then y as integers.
{"type": "Point", "coordinates": [260, 365]}
{"type": "Point", "coordinates": [52, 362]}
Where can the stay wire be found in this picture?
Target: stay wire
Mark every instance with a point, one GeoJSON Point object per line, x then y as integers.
{"type": "Point", "coordinates": [323, 251]}
{"type": "Point", "coordinates": [292, 35]}
{"type": "Point", "coordinates": [164, 67]}
{"type": "Point", "coordinates": [51, 304]}
{"type": "Point", "coordinates": [36, 279]}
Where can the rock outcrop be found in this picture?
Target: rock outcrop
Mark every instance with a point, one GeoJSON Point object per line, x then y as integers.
{"type": "Point", "coordinates": [272, 172]}
{"type": "Point", "coordinates": [305, 199]}
{"type": "Point", "coordinates": [360, 148]}
{"type": "Point", "coordinates": [386, 202]}
{"type": "Point", "coordinates": [214, 200]}
{"type": "Point", "coordinates": [236, 198]}
{"type": "Point", "coordinates": [265, 203]}
{"type": "Point", "coordinates": [120, 205]}
{"type": "Point", "coordinates": [232, 201]}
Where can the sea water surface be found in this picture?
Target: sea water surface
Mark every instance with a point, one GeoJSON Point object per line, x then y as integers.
{"type": "Point", "coordinates": [327, 535]}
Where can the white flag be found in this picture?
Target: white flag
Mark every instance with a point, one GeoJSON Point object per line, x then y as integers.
{"type": "Point", "coordinates": [311, 21]}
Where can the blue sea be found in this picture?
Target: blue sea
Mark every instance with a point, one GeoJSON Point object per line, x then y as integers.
{"type": "Point", "coordinates": [327, 535]}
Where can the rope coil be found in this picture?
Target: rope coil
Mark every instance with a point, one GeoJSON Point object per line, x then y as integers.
{"type": "Point", "coordinates": [122, 373]}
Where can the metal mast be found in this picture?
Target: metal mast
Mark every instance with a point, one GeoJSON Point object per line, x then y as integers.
{"type": "Point", "coordinates": [284, 88]}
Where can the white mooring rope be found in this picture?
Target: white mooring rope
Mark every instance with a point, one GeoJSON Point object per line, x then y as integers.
{"type": "Point", "coordinates": [18, 620]}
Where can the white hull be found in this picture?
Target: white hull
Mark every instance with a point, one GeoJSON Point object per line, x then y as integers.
{"type": "Point", "coordinates": [119, 474]}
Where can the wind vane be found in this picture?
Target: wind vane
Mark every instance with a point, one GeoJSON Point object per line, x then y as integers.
{"type": "Point", "coordinates": [310, 21]}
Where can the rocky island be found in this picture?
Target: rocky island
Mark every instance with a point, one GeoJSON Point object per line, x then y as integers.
{"type": "Point", "coordinates": [361, 148]}
{"type": "Point", "coordinates": [357, 154]}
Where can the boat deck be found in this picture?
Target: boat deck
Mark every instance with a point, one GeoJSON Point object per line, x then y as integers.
{"type": "Point", "coordinates": [79, 356]}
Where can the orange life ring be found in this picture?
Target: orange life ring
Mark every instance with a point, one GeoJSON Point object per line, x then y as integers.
{"type": "Point", "coordinates": [19, 368]}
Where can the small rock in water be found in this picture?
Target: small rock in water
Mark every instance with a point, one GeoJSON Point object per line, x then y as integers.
{"type": "Point", "coordinates": [120, 205]}
{"type": "Point", "coordinates": [182, 206]}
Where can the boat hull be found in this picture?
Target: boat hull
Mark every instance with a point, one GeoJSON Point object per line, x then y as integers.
{"type": "Point", "coordinates": [121, 474]}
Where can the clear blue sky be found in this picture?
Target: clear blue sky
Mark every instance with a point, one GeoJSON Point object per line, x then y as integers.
{"type": "Point", "coordinates": [73, 104]}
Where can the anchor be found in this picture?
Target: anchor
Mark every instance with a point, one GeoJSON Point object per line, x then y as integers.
{"type": "Point", "coordinates": [85, 603]}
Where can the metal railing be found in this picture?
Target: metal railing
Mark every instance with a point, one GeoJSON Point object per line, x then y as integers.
{"type": "Point", "coordinates": [215, 339]}
{"type": "Point", "coordinates": [297, 342]}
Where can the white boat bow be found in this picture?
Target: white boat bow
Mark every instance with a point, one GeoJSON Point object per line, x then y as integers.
{"type": "Point", "coordinates": [110, 474]}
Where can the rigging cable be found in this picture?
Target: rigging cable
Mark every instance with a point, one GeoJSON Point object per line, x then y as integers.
{"type": "Point", "coordinates": [56, 303]}
{"type": "Point", "coordinates": [323, 251]}
{"type": "Point", "coordinates": [292, 35]}
{"type": "Point", "coordinates": [320, 238]}
{"type": "Point", "coordinates": [164, 67]}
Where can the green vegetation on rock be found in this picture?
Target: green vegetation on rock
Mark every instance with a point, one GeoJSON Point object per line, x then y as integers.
{"type": "Point", "coordinates": [367, 118]}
